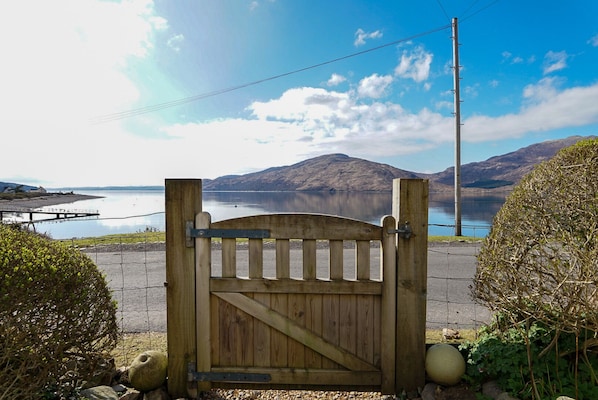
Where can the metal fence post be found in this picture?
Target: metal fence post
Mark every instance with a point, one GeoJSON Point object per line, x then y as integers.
{"type": "Point", "coordinates": [183, 202]}
{"type": "Point", "coordinates": [410, 209]}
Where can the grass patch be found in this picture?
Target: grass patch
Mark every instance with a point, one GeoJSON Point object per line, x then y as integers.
{"type": "Point", "coordinates": [131, 345]}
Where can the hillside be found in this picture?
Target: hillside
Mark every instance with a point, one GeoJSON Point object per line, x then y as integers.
{"type": "Point", "coordinates": [339, 172]}
{"type": "Point", "coordinates": [505, 170]}
{"type": "Point", "coordinates": [334, 172]}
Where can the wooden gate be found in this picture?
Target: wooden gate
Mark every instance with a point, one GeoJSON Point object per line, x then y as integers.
{"type": "Point", "coordinates": [318, 327]}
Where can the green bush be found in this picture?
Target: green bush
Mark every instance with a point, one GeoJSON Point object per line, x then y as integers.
{"type": "Point", "coordinates": [57, 316]}
{"type": "Point", "coordinates": [540, 260]}
{"type": "Point", "coordinates": [511, 355]}
{"type": "Point", "coordinates": [538, 270]}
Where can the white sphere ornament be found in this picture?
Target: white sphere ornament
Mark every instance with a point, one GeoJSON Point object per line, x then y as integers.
{"type": "Point", "coordinates": [444, 364]}
{"type": "Point", "coordinates": [148, 370]}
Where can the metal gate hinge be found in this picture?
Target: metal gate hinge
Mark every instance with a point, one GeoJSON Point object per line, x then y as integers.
{"type": "Point", "coordinates": [194, 376]}
{"type": "Point", "coordinates": [404, 231]}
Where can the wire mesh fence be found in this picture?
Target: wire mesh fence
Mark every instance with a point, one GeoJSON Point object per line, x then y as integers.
{"type": "Point", "coordinates": [135, 268]}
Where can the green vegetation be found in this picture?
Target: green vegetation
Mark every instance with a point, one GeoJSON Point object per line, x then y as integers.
{"type": "Point", "coordinates": [57, 316]}
{"type": "Point", "coordinates": [538, 270]}
{"type": "Point", "coordinates": [511, 354]}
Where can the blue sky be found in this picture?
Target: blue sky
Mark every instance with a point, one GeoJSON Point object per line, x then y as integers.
{"type": "Point", "coordinates": [133, 92]}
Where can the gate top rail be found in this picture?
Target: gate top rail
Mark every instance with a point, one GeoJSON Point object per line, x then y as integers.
{"type": "Point", "coordinates": [304, 226]}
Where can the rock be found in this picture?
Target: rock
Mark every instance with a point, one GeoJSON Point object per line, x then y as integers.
{"type": "Point", "coordinates": [148, 370]}
{"type": "Point", "coordinates": [505, 396]}
{"type": "Point", "coordinates": [99, 393]}
{"type": "Point", "coordinates": [132, 395]}
{"type": "Point", "coordinates": [450, 334]}
{"type": "Point", "coordinates": [158, 394]}
{"type": "Point", "coordinates": [564, 398]}
{"type": "Point", "coordinates": [429, 392]}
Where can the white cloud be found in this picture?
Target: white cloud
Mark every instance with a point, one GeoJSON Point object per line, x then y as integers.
{"type": "Point", "coordinates": [594, 40]}
{"type": "Point", "coordinates": [493, 83]}
{"type": "Point", "coordinates": [374, 86]}
{"type": "Point", "coordinates": [415, 64]}
{"type": "Point", "coordinates": [546, 108]}
{"type": "Point", "coordinates": [542, 91]}
{"type": "Point", "coordinates": [335, 80]}
{"type": "Point", "coordinates": [555, 61]}
{"type": "Point", "coordinates": [58, 66]}
{"type": "Point", "coordinates": [175, 42]}
{"type": "Point", "coordinates": [361, 36]}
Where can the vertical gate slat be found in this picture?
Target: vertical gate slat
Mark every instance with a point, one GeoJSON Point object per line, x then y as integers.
{"type": "Point", "coordinates": [278, 341]}
{"type": "Point", "coordinates": [330, 324]}
{"type": "Point", "coordinates": [366, 330]}
{"type": "Point", "coordinates": [336, 259]}
{"type": "Point", "coordinates": [388, 259]}
{"type": "Point", "coordinates": [313, 322]}
{"type": "Point", "coordinates": [203, 259]}
{"type": "Point", "coordinates": [348, 322]}
{"type": "Point", "coordinates": [296, 312]}
{"type": "Point", "coordinates": [309, 259]}
{"type": "Point", "coordinates": [261, 334]}
{"type": "Point", "coordinates": [229, 258]}
{"type": "Point", "coordinates": [283, 259]}
{"type": "Point", "coordinates": [256, 258]}
{"type": "Point", "coordinates": [362, 259]}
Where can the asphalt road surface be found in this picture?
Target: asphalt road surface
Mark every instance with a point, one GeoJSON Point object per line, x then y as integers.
{"type": "Point", "coordinates": [137, 279]}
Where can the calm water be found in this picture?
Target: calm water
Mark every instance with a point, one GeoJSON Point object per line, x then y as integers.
{"type": "Point", "coordinates": [129, 211]}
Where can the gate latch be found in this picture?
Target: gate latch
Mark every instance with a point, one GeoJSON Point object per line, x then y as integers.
{"type": "Point", "coordinates": [194, 376]}
{"type": "Point", "coordinates": [404, 231]}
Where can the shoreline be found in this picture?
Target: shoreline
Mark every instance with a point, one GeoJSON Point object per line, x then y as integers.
{"type": "Point", "coordinates": [50, 199]}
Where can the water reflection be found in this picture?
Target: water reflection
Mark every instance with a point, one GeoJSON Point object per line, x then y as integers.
{"type": "Point", "coordinates": [128, 211]}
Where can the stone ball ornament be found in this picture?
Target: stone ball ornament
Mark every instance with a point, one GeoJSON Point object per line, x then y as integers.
{"type": "Point", "coordinates": [444, 364]}
{"type": "Point", "coordinates": [148, 370]}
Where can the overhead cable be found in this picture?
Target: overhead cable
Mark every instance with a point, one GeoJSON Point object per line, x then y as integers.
{"type": "Point", "coordinates": [101, 119]}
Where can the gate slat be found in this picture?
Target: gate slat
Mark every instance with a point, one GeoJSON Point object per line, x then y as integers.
{"type": "Point", "coordinates": [256, 258]}
{"type": "Point", "coordinates": [283, 259]}
{"type": "Point", "coordinates": [362, 259]}
{"type": "Point", "coordinates": [229, 258]}
{"type": "Point", "coordinates": [309, 259]}
{"type": "Point", "coordinates": [336, 260]}
{"type": "Point", "coordinates": [203, 259]}
{"type": "Point", "coordinates": [298, 333]}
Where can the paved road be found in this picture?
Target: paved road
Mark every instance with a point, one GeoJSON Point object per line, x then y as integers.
{"type": "Point", "coordinates": [137, 278]}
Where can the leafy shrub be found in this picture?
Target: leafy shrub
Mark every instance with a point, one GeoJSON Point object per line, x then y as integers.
{"type": "Point", "coordinates": [512, 354]}
{"type": "Point", "coordinates": [57, 315]}
{"type": "Point", "coordinates": [538, 267]}
{"type": "Point", "coordinates": [540, 260]}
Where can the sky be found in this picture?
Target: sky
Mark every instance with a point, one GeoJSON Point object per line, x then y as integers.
{"type": "Point", "coordinates": [101, 93]}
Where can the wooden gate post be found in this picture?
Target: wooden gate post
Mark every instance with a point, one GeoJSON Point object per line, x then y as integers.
{"type": "Point", "coordinates": [183, 202]}
{"type": "Point", "coordinates": [410, 208]}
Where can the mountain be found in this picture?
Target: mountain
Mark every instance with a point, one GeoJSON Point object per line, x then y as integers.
{"type": "Point", "coordinates": [339, 172]}
{"type": "Point", "coordinates": [505, 170]}
{"type": "Point", "coordinates": [334, 172]}
{"type": "Point", "coordinates": [9, 187]}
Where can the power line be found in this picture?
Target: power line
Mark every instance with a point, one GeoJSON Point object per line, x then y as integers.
{"type": "Point", "coordinates": [101, 119]}
{"type": "Point", "coordinates": [443, 10]}
{"type": "Point", "coordinates": [492, 3]}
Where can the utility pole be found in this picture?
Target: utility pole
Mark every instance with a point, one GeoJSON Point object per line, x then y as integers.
{"type": "Point", "coordinates": [457, 111]}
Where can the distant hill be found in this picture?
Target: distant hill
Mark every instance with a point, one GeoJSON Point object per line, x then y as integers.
{"type": "Point", "coordinates": [339, 172]}
{"type": "Point", "coordinates": [507, 169]}
{"type": "Point", "coordinates": [9, 187]}
{"type": "Point", "coordinates": [334, 172]}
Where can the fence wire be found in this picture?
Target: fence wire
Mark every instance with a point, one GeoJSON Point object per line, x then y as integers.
{"type": "Point", "coordinates": [136, 272]}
